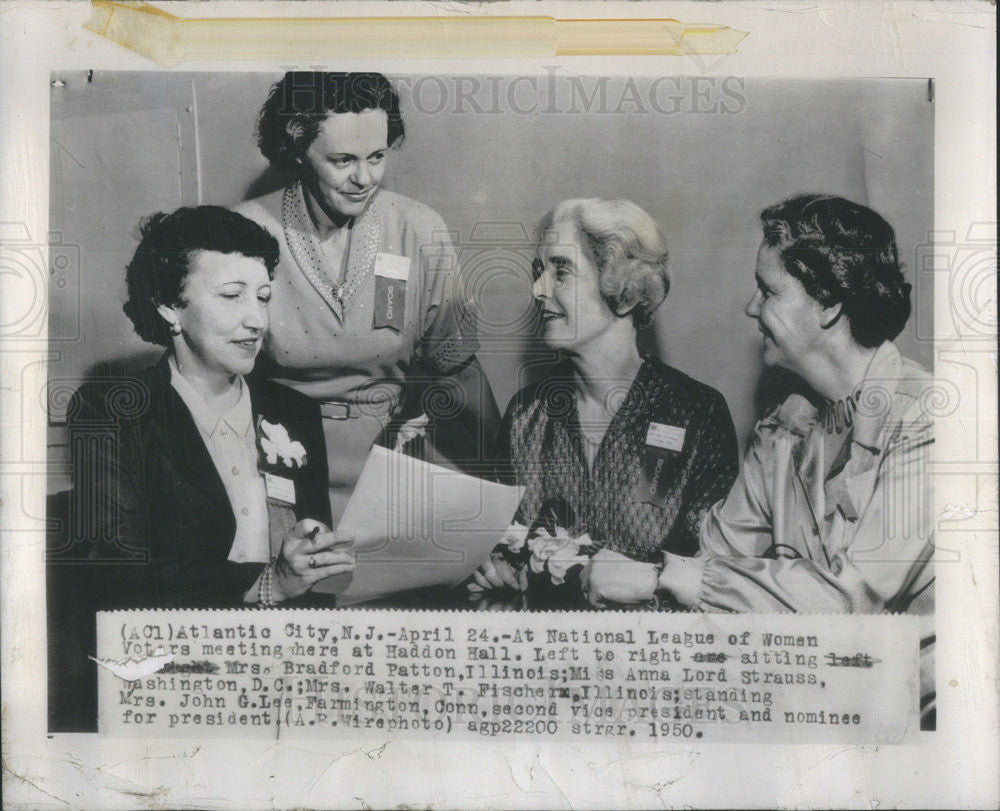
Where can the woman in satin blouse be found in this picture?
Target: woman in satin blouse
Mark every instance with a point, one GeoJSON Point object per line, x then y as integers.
{"type": "Point", "coordinates": [368, 317]}
{"type": "Point", "coordinates": [830, 512]}
{"type": "Point", "coordinates": [633, 451]}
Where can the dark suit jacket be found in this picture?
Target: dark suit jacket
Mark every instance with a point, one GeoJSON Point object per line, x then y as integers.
{"type": "Point", "coordinates": [150, 524]}
{"type": "Point", "coordinates": [148, 505]}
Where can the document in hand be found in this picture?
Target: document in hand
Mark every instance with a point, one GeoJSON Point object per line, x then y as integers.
{"type": "Point", "coordinates": [436, 526]}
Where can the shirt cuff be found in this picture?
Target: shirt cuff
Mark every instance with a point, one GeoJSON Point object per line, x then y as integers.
{"type": "Point", "coordinates": [681, 577]}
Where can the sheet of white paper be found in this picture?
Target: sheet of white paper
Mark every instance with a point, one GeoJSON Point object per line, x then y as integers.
{"type": "Point", "coordinates": [438, 525]}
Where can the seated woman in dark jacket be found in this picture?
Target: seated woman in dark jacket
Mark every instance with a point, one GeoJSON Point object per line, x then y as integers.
{"type": "Point", "coordinates": [195, 486]}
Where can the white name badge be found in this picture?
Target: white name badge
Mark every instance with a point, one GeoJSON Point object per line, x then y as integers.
{"type": "Point", "coordinates": [279, 488]}
{"type": "Point", "coordinates": [390, 266]}
{"type": "Point", "coordinates": [668, 437]}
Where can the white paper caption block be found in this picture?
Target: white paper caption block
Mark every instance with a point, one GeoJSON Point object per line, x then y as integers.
{"type": "Point", "coordinates": [640, 676]}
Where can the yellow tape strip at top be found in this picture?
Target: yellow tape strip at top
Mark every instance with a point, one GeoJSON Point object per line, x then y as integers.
{"type": "Point", "coordinates": [168, 39]}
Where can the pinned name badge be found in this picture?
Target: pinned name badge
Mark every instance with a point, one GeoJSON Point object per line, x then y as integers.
{"type": "Point", "coordinates": [657, 476]}
{"type": "Point", "coordinates": [668, 437]}
{"type": "Point", "coordinates": [391, 273]}
{"type": "Point", "coordinates": [279, 488]}
{"type": "Point", "coordinates": [391, 266]}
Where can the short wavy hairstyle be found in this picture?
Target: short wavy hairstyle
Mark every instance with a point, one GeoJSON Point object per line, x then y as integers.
{"type": "Point", "coordinates": [843, 253]}
{"type": "Point", "coordinates": [296, 106]}
{"type": "Point", "coordinates": [160, 264]}
{"type": "Point", "coordinates": [628, 248]}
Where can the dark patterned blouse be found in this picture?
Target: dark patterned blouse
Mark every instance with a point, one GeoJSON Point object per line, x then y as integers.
{"type": "Point", "coordinates": [668, 455]}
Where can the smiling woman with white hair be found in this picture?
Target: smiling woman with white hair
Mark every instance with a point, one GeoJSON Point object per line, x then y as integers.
{"type": "Point", "coordinates": [633, 451]}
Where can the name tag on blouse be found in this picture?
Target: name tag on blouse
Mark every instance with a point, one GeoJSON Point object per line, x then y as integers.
{"type": "Point", "coordinates": [279, 488]}
{"type": "Point", "coordinates": [391, 274]}
{"type": "Point", "coordinates": [662, 443]}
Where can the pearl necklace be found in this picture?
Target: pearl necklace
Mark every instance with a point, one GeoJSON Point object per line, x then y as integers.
{"type": "Point", "coordinates": [303, 243]}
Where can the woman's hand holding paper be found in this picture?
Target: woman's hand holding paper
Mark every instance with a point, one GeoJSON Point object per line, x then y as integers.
{"type": "Point", "coordinates": [311, 552]}
{"type": "Point", "coordinates": [498, 573]}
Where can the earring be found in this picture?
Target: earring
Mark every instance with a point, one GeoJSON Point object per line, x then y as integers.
{"type": "Point", "coordinates": [175, 328]}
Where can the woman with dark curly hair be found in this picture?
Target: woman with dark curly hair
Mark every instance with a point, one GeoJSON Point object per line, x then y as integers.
{"type": "Point", "coordinates": [630, 451]}
{"type": "Point", "coordinates": [197, 486]}
{"type": "Point", "coordinates": [830, 512]}
{"type": "Point", "coordinates": [365, 308]}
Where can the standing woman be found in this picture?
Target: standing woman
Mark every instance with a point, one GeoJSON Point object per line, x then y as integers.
{"type": "Point", "coordinates": [364, 300]}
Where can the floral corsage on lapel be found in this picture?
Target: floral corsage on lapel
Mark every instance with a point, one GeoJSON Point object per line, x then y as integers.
{"type": "Point", "coordinates": [277, 456]}
{"type": "Point", "coordinates": [555, 556]}
{"type": "Point", "coordinates": [278, 451]}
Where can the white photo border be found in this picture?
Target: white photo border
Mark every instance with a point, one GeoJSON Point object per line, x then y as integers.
{"type": "Point", "coordinates": [951, 42]}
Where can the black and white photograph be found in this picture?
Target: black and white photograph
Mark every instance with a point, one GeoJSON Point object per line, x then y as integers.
{"type": "Point", "coordinates": [570, 406]}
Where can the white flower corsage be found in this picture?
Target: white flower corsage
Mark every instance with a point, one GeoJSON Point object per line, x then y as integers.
{"type": "Point", "coordinates": [277, 445]}
{"type": "Point", "coordinates": [411, 429]}
{"type": "Point", "coordinates": [556, 553]}
{"type": "Point", "coordinates": [515, 537]}
{"type": "Point", "coordinates": [566, 556]}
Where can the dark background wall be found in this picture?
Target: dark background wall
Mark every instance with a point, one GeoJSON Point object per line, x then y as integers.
{"type": "Point", "coordinates": [492, 154]}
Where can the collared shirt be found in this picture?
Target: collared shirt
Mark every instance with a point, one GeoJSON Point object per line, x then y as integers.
{"type": "Point", "coordinates": [232, 443]}
{"type": "Point", "coordinates": [635, 499]}
{"type": "Point", "coordinates": [857, 539]}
